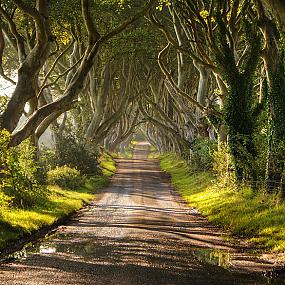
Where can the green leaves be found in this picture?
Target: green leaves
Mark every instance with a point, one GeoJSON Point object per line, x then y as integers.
{"type": "Point", "coordinates": [18, 171]}
{"type": "Point", "coordinates": [162, 4]}
{"type": "Point", "coordinates": [72, 151]}
{"type": "Point", "coordinates": [66, 177]}
{"type": "Point", "coordinates": [204, 14]}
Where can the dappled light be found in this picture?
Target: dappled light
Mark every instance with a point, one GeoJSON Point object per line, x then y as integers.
{"type": "Point", "coordinates": [137, 231]}
{"type": "Point", "coordinates": [142, 142]}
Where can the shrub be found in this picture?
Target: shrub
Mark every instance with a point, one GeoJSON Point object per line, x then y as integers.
{"type": "Point", "coordinates": [66, 177]}
{"type": "Point", "coordinates": [18, 171]}
{"type": "Point", "coordinates": [73, 152]}
{"type": "Point", "coordinates": [3, 103]}
{"type": "Point", "coordinates": [4, 200]}
{"type": "Point", "coordinates": [222, 165]}
{"type": "Point", "coordinates": [202, 154]}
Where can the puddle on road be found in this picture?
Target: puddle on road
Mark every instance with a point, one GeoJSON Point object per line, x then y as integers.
{"type": "Point", "coordinates": [104, 251]}
{"type": "Point", "coordinates": [213, 257]}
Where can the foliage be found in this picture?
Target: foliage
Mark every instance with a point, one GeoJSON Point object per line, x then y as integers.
{"type": "Point", "coordinates": [276, 121]}
{"type": "Point", "coordinates": [107, 164]}
{"type": "Point", "coordinates": [222, 165]}
{"type": "Point", "coordinates": [66, 177]}
{"type": "Point", "coordinates": [4, 201]}
{"type": "Point", "coordinates": [58, 204]}
{"type": "Point", "coordinates": [19, 173]}
{"type": "Point", "coordinates": [3, 103]}
{"type": "Point", "coordinates": [162, 4]}
{"type": "Point", "coordinates": [73, 152]}
{"type": "Point", "coordinates": [261, 144]}
{"type": "Point", "coordinates": [227, 42]}
{"type": "Point", "coordinates": [238, 110]}
{"type": "Point", "coordinates": [202, 154]}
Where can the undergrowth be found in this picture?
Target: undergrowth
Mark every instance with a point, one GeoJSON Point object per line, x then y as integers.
{"type": "Point", "coordinates": [58, 203]}
{"type": "Point", "coordinates": [107, 164]}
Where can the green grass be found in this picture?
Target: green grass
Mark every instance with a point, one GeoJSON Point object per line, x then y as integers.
{"type": "Point", "coordinates": [258, 218]}
{"type": "Point", "coordinates": [107, 164]}
{"type": "Point", "coordinates": [153, 152]}
{"type": "Point", "coordinates": [60, 202]}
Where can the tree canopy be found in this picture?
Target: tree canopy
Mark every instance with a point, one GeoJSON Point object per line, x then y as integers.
{"type": "Point", "coordinates": [176, 71]}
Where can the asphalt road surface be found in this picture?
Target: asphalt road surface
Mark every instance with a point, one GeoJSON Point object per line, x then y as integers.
{"type": "Point", "coordinates": [137, 231]}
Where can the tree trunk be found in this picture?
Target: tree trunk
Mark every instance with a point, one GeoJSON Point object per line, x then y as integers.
{"type": "Point", "coordinates": [274, 64]}
{"type": "Point", "coordinates": [277, 7]}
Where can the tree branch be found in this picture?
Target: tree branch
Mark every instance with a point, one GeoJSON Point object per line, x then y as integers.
{"type": "Point", "coordinates": [93, 33]}
{"type": "Point", "coordinates": [58, 77]}
{"type": "Point", "coordinates": [18, 37]}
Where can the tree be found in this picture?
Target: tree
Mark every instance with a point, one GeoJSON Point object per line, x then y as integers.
{"type": "Point", "coordinates": [214, 44]}
{"type": "Point", "coordinates": [32, 64]}
{"type": "Point", "coordinates": [273, 56]}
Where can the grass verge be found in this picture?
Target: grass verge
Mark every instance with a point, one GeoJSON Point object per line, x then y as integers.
{"type": "Point", "coordinates": [60, 202]}
{"type": "Point", "coordinates": [258, 218]}
{"type": "Point", "coordinates": [153, 152]}
{"type": "Point", "coordinates": [107, 164]}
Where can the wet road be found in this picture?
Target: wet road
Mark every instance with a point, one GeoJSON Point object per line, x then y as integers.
{"type": "Point", "coordinates": [137, 231]}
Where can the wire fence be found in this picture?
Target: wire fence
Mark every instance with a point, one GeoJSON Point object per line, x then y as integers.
{"type": "Point", "coordinates": [268, 185]}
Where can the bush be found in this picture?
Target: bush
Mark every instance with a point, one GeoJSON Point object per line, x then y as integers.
{"type": "Point", "coordinates": [65, 177]}
{"type": "Point", "coordinates": [4, 201]}
{"type": "Point", "coordinates": [202, 154]}
{"type": "Point", "coordinates": [73, 152]}
{"type": "Point", "coordinates": [222, 165]}
{"type": "Point", "coordinates": [19, 173]}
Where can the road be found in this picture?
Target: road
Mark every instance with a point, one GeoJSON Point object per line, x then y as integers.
{"type": "Point", "coordinates": [137, 231]}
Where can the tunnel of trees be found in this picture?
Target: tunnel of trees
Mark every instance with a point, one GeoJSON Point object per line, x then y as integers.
{"type": "Point", "coordinates": [188, 75]}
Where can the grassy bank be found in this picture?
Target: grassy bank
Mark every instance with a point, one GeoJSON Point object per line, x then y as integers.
{"type": "Point", "coordinates": [59, 203]}
{"type": "Point", "coordinates": [258, 218]}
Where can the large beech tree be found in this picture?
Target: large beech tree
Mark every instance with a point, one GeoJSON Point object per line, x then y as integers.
{"type": "Point", "coordinates": [31, 63]}
{"type": "Point", "coordinates": [209, 35]}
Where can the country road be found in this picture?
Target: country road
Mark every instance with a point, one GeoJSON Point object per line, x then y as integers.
{"type": "Point", "coordinates": [137, 231]}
